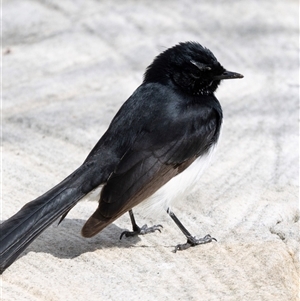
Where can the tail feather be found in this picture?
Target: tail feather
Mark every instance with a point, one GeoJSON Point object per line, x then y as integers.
{"type": "Point", "coordinates": [22, 228]}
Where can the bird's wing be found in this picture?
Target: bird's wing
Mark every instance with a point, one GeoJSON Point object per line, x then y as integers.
{"type": "Point", "coordinates": [163, 149]}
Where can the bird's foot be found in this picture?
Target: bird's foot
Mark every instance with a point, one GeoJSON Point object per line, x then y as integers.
{"type": "Point", "coordinates": [141, 231]}
{"type": "Point", "coordinates": [193, 241]}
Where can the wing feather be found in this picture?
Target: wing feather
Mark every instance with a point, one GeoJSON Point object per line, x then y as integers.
{"type": "Point", "coordinates": [158, 154]}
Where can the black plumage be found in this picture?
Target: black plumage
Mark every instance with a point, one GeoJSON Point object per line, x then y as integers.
{"type": "Point", "coordinates": [168, 123]}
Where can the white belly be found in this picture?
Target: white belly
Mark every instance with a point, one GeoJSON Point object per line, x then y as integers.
{"type": "Point", "coordinates": [176, 188]}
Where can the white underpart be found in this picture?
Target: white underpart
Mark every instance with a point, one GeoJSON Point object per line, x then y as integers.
{"type": "Point", "coordinates": [177, 188]}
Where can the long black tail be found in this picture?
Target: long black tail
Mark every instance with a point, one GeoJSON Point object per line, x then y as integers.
{"type": "Point", "coordinates": [22, 228]}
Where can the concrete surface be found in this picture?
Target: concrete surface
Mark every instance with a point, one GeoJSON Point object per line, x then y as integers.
{"type": "Point", "coordinates": [67, 68]}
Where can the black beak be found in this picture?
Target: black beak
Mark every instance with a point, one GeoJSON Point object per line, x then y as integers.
{"type": "Point", "coordinates": [228, 75]}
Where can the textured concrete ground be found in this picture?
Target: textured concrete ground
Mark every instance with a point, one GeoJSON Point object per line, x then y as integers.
{"type": "Point", "coordinates": [67, 68]}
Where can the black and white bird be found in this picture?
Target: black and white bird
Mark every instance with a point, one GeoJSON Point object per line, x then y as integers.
{"type": "Point", "coordinates": [153, 152]}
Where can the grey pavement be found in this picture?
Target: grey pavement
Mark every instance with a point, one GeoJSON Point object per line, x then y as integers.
{"type": "Point", "coordinates": [67, 68]}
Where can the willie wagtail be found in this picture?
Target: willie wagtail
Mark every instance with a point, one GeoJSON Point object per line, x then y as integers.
{"type": "Point", "coordinates": [154, 150]}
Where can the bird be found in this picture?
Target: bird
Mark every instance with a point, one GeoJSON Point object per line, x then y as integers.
{"type": "Point", "coordinates": [154, 150]}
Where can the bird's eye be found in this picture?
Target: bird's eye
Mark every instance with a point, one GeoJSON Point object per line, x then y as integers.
{"type": "Point", "coordinates": [200, 66]}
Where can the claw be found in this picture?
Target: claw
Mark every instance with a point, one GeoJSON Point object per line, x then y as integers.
{"type": "Point", "coordinates": [193, 241]}
{"type": "Point", "coordinates": [145, 230]}
{"type": "Point", "coordinates": [141, 231]}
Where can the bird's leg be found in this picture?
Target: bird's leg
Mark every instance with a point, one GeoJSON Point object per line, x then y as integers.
{"type": "Point", "coordinates": [136, 230]}
{"type": "Point", "coordinates": [191, 240]}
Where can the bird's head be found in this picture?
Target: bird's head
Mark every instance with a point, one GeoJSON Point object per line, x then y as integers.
{"type": "Point", "coordinates": [191, 67]}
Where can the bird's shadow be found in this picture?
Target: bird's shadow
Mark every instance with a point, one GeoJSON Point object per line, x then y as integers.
{"type": "Point", "coordinates": [65, 241]}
